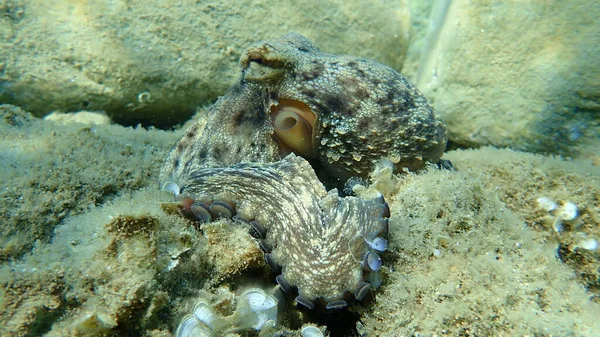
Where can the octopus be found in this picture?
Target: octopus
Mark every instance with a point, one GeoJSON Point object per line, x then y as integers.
{"type": "Point", "coordinates": [296, 122]}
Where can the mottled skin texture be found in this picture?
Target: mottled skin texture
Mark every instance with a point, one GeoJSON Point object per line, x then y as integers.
{"type": "Point", "coordinates": [364, 111]}
{"type": "Point", "coordinates": [316, 236]}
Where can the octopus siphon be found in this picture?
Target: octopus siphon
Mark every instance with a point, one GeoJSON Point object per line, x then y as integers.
{"type": "Point", "coordinates": [296, 121]}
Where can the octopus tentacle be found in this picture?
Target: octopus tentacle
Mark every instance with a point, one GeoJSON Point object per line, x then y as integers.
{"type": "Point", "coordinates": [303, 228]}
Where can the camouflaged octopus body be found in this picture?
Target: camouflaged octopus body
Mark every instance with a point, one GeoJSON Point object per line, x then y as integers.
{"type": "Point", "coordinates": [317, 237]}
{"type": "Point", "coordinates": [364, 111]}
{"type": "Point", "coordinates": [359, 111]}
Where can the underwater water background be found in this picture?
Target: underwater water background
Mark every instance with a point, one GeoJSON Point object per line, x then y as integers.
{"type": "Point", "coordinates": [93, 95]}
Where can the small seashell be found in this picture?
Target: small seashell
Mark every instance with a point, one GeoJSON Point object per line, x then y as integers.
{"type": "Point", "coordinates": [171, 187]}
{"type": "Point", "coordinates": [259, 300]}
{"type": "Point", "coordinates": [257, 308]}
{"type": "Point", "coordinates": [191, 327]}
{"type": "Point", "coordinates": [205, 314]}
{"type": "Point", "coordinates": [588, 244]}
{"type": "Point", "coordinates": [311, 331]}
{"type": "Point", "coordinates": [546, 204]}
{"type": "Point", "coordinates": [568, 211]}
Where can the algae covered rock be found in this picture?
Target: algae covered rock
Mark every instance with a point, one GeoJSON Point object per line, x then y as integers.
{"type": "Point", "coordinates": [50, 171]}
{"type": "Point", "coordinates": [154, 62]}
{"type": "Point", "coordinates": [524, 75]}
{"type": "Point", "coordinates": [474, 260]}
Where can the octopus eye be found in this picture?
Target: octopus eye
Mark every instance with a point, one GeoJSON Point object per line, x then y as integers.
{"type": "Point", "coordinates": [294, 123]}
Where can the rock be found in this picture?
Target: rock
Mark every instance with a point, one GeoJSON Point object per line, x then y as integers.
{"type": "Point", "coordinates": [420, 21]}
{"type": "Point", "coordinates": [155, 63]}
{"type": "Point", "coordinates": [51, 171]}
{"type": "Point", "coordinates": [81, 117]}
{"type": "Point", "coordinates": [516, 74]}
{"type": "Point", "coordinates": [520, 275]}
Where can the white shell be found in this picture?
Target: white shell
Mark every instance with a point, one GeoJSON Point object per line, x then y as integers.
{"type": "Point", "coordinates": [589, 244]}
{"type": "Point", "coordinates": [171, 187]}
{"type": "Point", "coordinates": [558, 225]}
{"type": "Point", "coordinates": [191, 327]}
{"type": "Point", "coordinates": [311, 331]}
{"type": "Point", "coordinates": [258, 307]}
{"type": "Point", "coordinates": [258, 299]}
{"type": "Point", "coordinates": [204, 313]}
{"type": "Point", "coordinates": [546, 204]}
{"type": "Point", "coordinates": [568, 211]}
